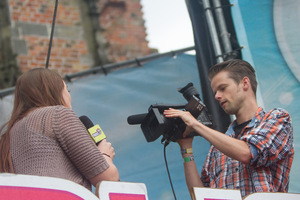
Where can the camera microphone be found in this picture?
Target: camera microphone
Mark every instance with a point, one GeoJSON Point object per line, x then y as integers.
{"type": "Point", "coordinates": [136, 119]}
{"type": "Point", "coordinates": [94, 131]}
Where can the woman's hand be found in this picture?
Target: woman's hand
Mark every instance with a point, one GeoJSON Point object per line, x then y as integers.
{"type": "Point", "coordinates": [111, 173]}
{"type": "Point", "coordinates": [106, 148]}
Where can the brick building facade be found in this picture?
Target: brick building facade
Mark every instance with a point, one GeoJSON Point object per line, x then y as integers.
{"type": "Point", "coordinates": [88, 33]}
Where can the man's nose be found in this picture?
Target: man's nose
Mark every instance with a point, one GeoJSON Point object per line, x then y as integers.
{"type": "Point", "coordinates": [217, 96]}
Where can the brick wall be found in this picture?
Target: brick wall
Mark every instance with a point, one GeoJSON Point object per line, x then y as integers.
{"type": "Point", "coordinates": [122, 31]}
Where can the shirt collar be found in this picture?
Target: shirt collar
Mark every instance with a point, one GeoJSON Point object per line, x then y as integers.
{"type": "Point", "coordinates": [257, 117]}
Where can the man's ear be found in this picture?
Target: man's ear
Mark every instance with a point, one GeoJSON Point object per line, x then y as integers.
{"type": "Point", "coordinates": [246, 83]}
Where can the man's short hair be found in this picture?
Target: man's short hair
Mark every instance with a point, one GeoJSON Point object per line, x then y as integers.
{"type": "Point", "coordinates": [237, 69]}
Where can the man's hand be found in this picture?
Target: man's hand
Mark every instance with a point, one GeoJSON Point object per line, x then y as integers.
{"type": "Point", "coordinates": [186, 117]}
{"type": "Point", "coordinates": [185, 143]}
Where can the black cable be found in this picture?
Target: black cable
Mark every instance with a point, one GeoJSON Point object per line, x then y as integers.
{"type": "Point", "coordinates": [52, 32]}
{"type": "Point", "coordinates": [165, 145]}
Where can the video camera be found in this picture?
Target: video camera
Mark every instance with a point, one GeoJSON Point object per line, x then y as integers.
{"type": "Point", "coordinates": [154, 123]}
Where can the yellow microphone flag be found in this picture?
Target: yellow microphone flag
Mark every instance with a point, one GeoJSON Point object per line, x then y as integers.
{"type": "Point", "coordinates": [96, 133]}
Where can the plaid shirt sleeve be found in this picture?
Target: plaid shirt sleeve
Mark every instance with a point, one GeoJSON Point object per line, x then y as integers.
{"type": "Point", "coordinates": [273, 137]}
{"type": "Point", "coordinates": [205, 172]}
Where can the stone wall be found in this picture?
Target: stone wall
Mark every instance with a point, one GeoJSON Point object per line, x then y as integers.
{"type": "Point", "coordinates": [9, 70]}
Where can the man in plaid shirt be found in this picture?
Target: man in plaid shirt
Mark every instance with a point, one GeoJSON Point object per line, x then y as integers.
{"type": "Point", "coordinates": [256, 152]}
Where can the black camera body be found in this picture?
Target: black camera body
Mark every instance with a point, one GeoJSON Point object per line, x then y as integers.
{"type": "Point", "coordinates": [156, 124]}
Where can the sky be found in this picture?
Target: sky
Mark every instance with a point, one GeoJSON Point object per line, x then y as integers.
{"type": "Point", "coordinates": [168, 24]}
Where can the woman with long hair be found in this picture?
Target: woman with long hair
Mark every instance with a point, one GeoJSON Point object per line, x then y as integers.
{"type": "Point", "coordinates": [45, 137]}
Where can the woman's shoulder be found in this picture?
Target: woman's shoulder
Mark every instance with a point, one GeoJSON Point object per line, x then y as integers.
{"type": "Point", "coordinates": [50, 110]}
{"type": "Point", "coordinates": [62, 113]}
{"type": "Point", "coordinates": [40, 117]}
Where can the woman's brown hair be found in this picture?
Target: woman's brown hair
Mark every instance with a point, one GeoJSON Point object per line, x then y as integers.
{"type": "Point", "coordinates": [35, 88]}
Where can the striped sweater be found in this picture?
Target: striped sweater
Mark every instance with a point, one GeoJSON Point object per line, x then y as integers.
{"type": "Point", "coordinates": [52, 141]}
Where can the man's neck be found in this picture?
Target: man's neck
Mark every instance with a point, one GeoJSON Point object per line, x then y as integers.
{"type": "Point", "coordinates": [247, 112]}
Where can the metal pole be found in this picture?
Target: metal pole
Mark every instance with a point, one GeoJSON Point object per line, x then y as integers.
{"type": "Point", "coordinates": [52, 33]}
{"type": "Point", "coordinates": [135, 62]}
{"type": "Point", "coordinates": [213, 31]}
{"type": "Point", "coordinates": [224, 35]}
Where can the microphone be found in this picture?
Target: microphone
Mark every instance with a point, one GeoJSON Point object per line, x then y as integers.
{"type": "Point", "coordinates": [136, 119]}
{"type": "Point", "coordinates": [95, 132]}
